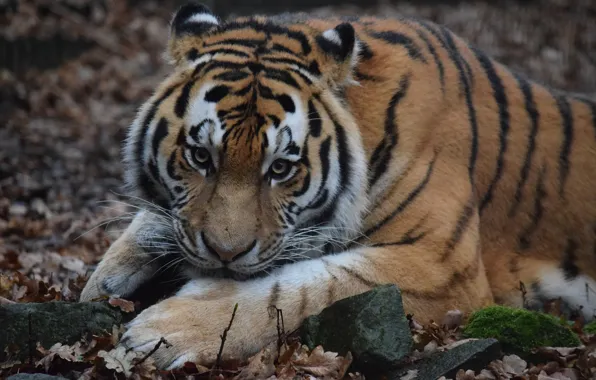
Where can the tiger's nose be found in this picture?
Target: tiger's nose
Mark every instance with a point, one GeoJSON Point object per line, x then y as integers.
{"type": "Point", "coordinates": [227, 254]}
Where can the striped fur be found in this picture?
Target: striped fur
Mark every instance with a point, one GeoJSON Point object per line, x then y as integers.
{"type": "Point", "coordinates": [412, 158]}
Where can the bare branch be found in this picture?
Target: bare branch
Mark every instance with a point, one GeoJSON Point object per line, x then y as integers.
{"type": "Point", "coordinates": [223, 339]}
{"type": "Point", "coordinates": [162, 340]}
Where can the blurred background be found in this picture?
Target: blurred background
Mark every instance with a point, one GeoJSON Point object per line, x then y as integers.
{"type": "Point", "coordinates": [73, 72]}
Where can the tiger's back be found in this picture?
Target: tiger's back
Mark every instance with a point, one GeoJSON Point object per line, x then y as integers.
{"type": "Point", "coordinates": [529, 151]}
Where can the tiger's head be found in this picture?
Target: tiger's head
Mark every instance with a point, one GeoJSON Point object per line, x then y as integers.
{"type": "Point", "coordinates": [247, 149]}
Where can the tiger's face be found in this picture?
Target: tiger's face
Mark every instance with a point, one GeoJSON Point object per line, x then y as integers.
{"type": "Point", "coordinates": [247, 149]}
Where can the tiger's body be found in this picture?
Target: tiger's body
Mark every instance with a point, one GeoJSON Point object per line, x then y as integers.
{"type": "Point", "coordinates": [409, 158]}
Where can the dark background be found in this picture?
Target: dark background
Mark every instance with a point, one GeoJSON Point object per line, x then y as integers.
{"type": "Point", "coordinates": [73, 72]}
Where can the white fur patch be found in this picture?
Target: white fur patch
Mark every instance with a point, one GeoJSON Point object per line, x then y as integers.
{"type": "Point", "coordinates": [579, 291]}
{"type": "Point", "coordinates": [200, 110]}
{"type": "Point", "coordinates": [332, 36]}
{"type": "Point", "coordinates": [201, 59]}
{"type": "Point", "coordinates": [202, 18]}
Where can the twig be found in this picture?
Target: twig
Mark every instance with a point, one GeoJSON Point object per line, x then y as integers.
{"type": "Point", "coordinates": [6, 301]}
{"type": "Point", "coordinates": [162, 340]}
{"type": "Point", "coordinates": [524, 292]}
{"type": "Point", "coordinates": [30, 338]}
{"type": "Point", "coordinates": [223, 338]}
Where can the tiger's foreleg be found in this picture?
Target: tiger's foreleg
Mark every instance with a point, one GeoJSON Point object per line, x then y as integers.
{"type": "Point", "coordinates": [193, 320]}
{"type": "Point", "coordinates": [126, 265]}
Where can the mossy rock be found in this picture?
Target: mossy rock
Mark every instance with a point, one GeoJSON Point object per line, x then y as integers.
{"type": "Point", "coordinates": [520, 330]}
{"type": "Point", "coordinates": [590, 328]}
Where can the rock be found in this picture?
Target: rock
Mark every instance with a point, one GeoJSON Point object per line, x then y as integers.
{"type": "Point", "coordinates": [473, 355]}
{"type": "Point", "coordinates": [520, 330]}
{"type": "Point", "coordinates": [34, 376]}
{"type": "Point", "coordinates": [25, 324]}
{"type": "Point", "coordinates": [372, 326]}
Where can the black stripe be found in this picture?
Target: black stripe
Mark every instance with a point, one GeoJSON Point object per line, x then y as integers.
{"type": "Point", "coordinates": [304, 188]}
{"type": "Point", "coordinates": [501, 100]}
{"type": "Point", "coordinates": [274, 295]}
{"type": "Point", "coordinates": [569, 265]}
{"type": "Point", "coordinates": [436, 58]}
{"type": "Point", "coordinates": [396, 38]}
{"type": "Point", "coordinates": [530, 104]}
{"type": "Point", "coordinates": [306, 79]}
{"type": "Point", "coordinates": [407, 201]}
{"type": "Point", "coordinates": [144, 182]}
{"type": "Point", "coordinates": [285, 60]}
{"type": "Point", "coordinates": [170, 168]}
{"type": "Point", "coordinates": [465, 85]}
{"type": "Point", "coordinates": [352, 273]}
{"type": "Point", "coordinates": [567, 116]}
{"type": "Point", "coordinates": [282, 48]}
{"type": "Point", "coordinates": [161, 132]}
{"type": "Point", "coordinates": [232, 76]}
{"type": "Point", "coordinates": [324, 157]}
{"type": "Point", "coordinates": [183, 98]}
{"type": "Point", "coordinates": [463, 221]}
{"type": "Point", "coordinates": [303, 301]}
{"type": "Point", "coordinates": [409, 237]}
{"type": "Point", "coordinates": [365, 53]}
{"type": "Point", "coordinates": [360, 76]}
{"type": "Point", "coordinates": [344, 156]}
{"type": "Point", "coordinates": [140, 143]}
{"type": "Point", "coordinates": [524, 238]}
{"type": "Point", "coordinates": [282, 76]}
{"type": "Point", "coordinates": [314, 120]}
{"type": "Point", "coordinates": [381, 156]}
{"type": "Point", "coordinates": [246, 42]}
{"type": "Point", "coordinates": [446, 40]}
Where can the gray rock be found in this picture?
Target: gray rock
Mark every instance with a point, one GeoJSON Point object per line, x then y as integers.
{"type": "Point", "coordinates": [474, 355]}
{"type": "Point", "coordinates": [372, 326]}
{"type": "Point", "coordinates": [26, 324]}
{"type": "Point", "coordinates": [34, 376]}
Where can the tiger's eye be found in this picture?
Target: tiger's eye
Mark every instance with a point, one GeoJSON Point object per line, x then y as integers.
{"type": "Point", "coordinates": [280, 169]}
{"type": "Point", "coordinates": [202, 156]}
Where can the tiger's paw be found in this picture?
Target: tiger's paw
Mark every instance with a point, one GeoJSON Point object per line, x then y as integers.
{"type": "Point", "coordinates": [192, 328]}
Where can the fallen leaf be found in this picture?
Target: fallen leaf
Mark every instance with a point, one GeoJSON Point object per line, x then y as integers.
{"type": "Point", "coordinates": [119, 360]}
{"type": "Point", "coordinates": [516, 364]}
{"type": "Point", "coordinates": [124, 305]}
{"type": "Point", "coordinates": [320, 363]}
{"type": "Point", "coordinates": [410, 375]}
{"type": "Point", "coordinates": [260, 365]}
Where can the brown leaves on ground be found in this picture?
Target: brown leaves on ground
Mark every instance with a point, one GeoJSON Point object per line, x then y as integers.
{"type": "Point", "coordinates": [296, 361]}
{"type": "Point", "coordinates": [102, 358]}
{"type": "Point", "coordinates": [16, 287]}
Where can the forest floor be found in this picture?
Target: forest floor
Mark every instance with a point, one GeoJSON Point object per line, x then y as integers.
{"type": "Point", "coordinates": [60, 143]}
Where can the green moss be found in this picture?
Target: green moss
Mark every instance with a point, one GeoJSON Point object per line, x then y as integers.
{"type": "Point", "coordinates": [590, 328]}
{"type": "Point", "coordinates": [520, 330]}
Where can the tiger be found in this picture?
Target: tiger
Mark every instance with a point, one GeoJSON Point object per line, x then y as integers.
{"type": "Point", "coordinates": [290, 162]}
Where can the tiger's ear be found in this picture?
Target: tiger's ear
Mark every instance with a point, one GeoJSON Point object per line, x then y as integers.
{"type": "Point", "coordinates": [340, 48]}
{"type": "Point", "coordinates": [190, 22]}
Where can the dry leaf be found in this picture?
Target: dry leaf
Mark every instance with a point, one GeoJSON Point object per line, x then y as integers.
{"type": "Point", "coordinates": [320, 363]}
{"type": "Point", "coordinates": [410, 375]}
{"type": "Point", "coordinates": [124, 305]}
{"type": "Point", "coordinates": [453, 319]}
{"type": "Point", "coordinates": [72, 353]}
{"type": "Point", "coordinates": [516, 364]}
{"type": "Point", "coordinates": [119, 360]}
{"type": "Point", "coordinates": [260, 365]}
